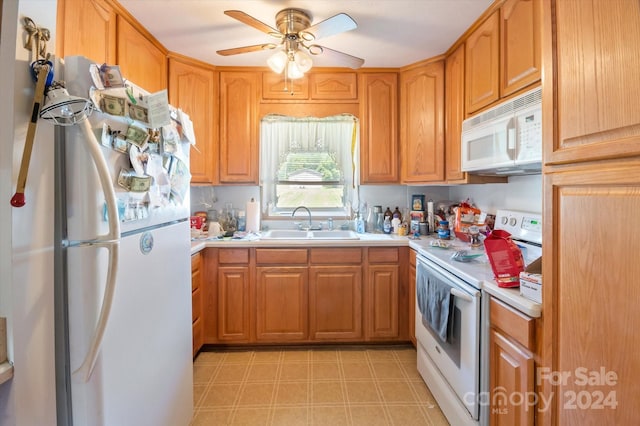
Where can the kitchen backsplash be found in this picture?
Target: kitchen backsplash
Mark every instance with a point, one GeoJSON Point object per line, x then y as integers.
{"type": "Point", "coordinates": [520, 193]}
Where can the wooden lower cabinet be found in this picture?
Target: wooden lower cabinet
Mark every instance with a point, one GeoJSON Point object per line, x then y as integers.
{"type": "Point", "coordinates": [196, 302]}
{"type": "Point", "coordinates": [281, 303]}
{"type": "Point", "coordinates": [233, 303]}
{"type": "Point", "coordinates": [304, 295]}
{"type": "Point", "coordinates": [412, 296]}
{"type": "Point", "coordinates": [335, 308]}
{"type": "Point", "coordinates": [511, 366]}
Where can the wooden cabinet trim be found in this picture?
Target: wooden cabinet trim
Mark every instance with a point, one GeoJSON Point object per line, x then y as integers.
{"type": "Point", "coordinates": [281, 256]}
{"type": "Point", "coordinates": [336, 255]}
{"type": "Point", "coordinates": [233, 255]}
{"type": "Point", "coordinates": [514, 323]}
{"type": "Point", "coordinates": [383, 255]}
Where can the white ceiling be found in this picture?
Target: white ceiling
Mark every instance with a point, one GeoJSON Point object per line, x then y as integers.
{"type": "Point", "coordinates": [390, 33]}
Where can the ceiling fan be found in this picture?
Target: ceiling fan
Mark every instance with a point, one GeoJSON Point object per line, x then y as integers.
{"type": "Point", "coordinates": [295, 33]}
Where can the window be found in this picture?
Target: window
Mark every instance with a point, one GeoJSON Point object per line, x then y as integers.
{"type": "Point", "coordinates": [309, 162]}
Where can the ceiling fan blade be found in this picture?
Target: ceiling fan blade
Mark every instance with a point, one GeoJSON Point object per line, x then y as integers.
{"type": "Point", "coordinates": [247, 49]}
{"type": "Point", "coordinates": [344, 58]}
{"type": "Point", "coordinates": [251, 21]}
{"type": "Point", "coordinates": [330, 26]}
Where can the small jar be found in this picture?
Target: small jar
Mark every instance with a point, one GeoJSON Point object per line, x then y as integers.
{"type": "Point", "coordinates": [443, 230]}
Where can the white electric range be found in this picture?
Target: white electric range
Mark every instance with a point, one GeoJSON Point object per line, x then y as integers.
{"type": "Point", "coordinates": [453, 360]}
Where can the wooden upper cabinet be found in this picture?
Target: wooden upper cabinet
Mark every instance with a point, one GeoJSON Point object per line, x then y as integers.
{"type": "Point", "coordinates": [482, 65]}
{"type": "Point", "coordinates": [274, 87]}
{"type": "Point", "coordinates": [596, 86]}
{"type": "Point", "coordinates": [333, 86]}
{"type": "Point", "coordinates": [87, 28]}
{"type": "Point", "coordinates": [239, 126]}
{"type": "Point", "coordinates": [194, 89]}
{"type": "Point", "coordinates": [454, 114]}
{"type": "Point", "coordinates": [422, 123]}
{"type": "Point", "coordinates": [141, 60]}
{"type": "Point", "coordinates": [520, 48]}
{"type": "Point", "coordinates": [378, 128]}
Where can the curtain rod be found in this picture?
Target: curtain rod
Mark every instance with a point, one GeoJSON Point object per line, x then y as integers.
{"type": "Point", "coordinates": [288, 119]}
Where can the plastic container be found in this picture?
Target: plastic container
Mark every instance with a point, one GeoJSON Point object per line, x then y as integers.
{"type": "Point", "coordinates": [443, 230]}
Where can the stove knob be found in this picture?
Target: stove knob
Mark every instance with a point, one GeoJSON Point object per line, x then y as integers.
{"type": "Point", "coordinates": [504, 220]}
{"type": "Point", "coordinates": [513, 221]}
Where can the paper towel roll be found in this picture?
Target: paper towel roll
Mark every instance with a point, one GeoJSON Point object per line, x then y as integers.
{"type": "Point", "coordinates": [253, 216]}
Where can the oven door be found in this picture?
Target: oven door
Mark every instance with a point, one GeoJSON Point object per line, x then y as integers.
{"type": "Point", "coordinates": [457, 359]}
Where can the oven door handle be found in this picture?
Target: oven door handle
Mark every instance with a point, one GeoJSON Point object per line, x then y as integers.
{"type": "Point", "coordinates": [461, 295]}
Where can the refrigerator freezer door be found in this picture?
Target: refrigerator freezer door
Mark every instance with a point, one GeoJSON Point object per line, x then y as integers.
{"type": "Point", "coordinates": [143, 374]}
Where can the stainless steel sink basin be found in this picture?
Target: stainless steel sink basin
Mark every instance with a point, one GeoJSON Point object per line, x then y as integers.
{"type": "Point", "coordinates": [292, 234]}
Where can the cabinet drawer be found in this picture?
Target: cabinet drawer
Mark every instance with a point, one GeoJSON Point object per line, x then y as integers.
{"type": "Point", "coordinates": [196, 305]}
{"type": "Point", "coordinates": [514, 323]}
{"type": "Point", "coordinates": [238, 255]}
{"type": "Point", "coordinates": [383, 255]}
{"type": "Point", "coordinates": [280, 256]}
{"type": "Point", "coordinates": [336, 255]}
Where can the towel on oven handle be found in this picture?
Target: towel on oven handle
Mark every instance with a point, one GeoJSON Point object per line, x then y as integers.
{"type": "Point", "coordinates": [435, 302]}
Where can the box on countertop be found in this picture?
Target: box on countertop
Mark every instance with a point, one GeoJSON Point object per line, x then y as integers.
{"type": "Point", "coordinates": [531, 281]}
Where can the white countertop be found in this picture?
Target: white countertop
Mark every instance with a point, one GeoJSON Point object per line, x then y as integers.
{"type": "Point", "coordinates": [477, 272]}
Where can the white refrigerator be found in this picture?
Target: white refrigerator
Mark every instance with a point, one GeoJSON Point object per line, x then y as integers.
{"type": "Point", "coordinates": [123, 287]}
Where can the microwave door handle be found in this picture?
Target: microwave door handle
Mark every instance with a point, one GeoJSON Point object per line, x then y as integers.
{"type": "Point", "coordinates": [511, 138]}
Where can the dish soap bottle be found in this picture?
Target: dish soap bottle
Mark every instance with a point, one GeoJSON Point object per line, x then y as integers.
{"type": "Point", "coordinates": [386, 226]}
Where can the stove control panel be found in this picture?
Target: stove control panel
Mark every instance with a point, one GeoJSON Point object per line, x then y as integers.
{"type": "Point", "coordinates": [521, 225]}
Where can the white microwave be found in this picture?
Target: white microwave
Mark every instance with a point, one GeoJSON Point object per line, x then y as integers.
{"type": "Point", "coordinates": [505, 140]}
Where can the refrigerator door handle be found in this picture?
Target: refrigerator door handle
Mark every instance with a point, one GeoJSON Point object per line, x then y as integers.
{"type": "Point", "coordinates": [105, 181]}
{"type": "Point", "coordinates": [111, 241]}
{"type": "Point", "coordinates": [90, 358]}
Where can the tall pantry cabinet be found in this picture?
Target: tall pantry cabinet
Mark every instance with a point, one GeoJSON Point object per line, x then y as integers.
{"type": "Point", "coordinates": [591, 183]}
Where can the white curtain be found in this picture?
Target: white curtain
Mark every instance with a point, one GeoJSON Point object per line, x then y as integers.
{"type": "Point", "coordinates": [280, 135]}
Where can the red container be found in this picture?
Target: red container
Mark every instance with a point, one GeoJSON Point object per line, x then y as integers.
{"type": "Point", "coordinates": [505, 258]}
{"type": "Point", "coordinates": [197, 222]}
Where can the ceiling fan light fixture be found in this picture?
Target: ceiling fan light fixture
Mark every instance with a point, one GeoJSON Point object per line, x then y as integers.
{"type": "Point", "coordinates": [306, 36]}
{"type": "Point", "coordinates": [303, 60]}
{"type": "Point", "coordinates": [293, 71]}
{"type": "Point", "coordinates": [314, 49]}
{"type": "Point", "coordinates": [278, 61]}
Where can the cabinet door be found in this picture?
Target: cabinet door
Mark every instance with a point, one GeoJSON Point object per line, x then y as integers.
{"type": "Point", "coordinates": [454, 114]}
{"type": "Point", "coordinates": [281, 303]}
{"type": "Point", "coordinates": [591, 272]}
{"type": "Point", "coordinates": [197, 290]}
{"type": "Point", "coordinates": [333, 86]}
{"type": "Point", "coordinates": [511, 373]}
{"type": "Point", "coordinates": [275, 87]}
{"type": "Point", "coordinates": [141, 60]}
{"type": "Point", "coordinates": [378, 128]}
{"type": "Point", "coordinates": [422, 128]}
{"type": "Point", "coordinates": [596, 86]}
{"type": "Point", "coordinates": [482, 65]}
{"type": "Point", "coordinates": [412, 296]}
{"type": "Point", "coordinates": [87, 28]}
{"type": "Point", "coordinates": [239, 125]}
{"type": "Point", "coordinates": [233, 303]}
{"type": "Point", "coordinates": [520, 49]}
{"type": "Point", "coordinates": [335, 295]}
{"type": "Point", "coordinates": [194, 89]}
{"type": "Point", "coordinates": [382, 302]}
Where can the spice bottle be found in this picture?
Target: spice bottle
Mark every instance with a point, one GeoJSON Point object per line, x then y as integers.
{"type": "Point", "coordinates": [388, 214]}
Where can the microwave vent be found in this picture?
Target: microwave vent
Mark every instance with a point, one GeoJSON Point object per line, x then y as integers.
{"type": "Point", "coordinates": [525, 100]}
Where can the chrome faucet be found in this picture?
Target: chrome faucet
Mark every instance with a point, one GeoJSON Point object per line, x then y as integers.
{"type": "Point", "coordinates": [308, 211]}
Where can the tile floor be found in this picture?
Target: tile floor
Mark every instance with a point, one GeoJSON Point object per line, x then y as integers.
{"type": "Point", "coordinates": [312, 386]}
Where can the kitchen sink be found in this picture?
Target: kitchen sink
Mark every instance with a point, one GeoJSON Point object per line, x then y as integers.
{"type": "Point", "coordinates": [285, 234]}
{"type": "Point", "coordinates": [292, 234]}
{"type": "Point", "coordinates": [334, 235]}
